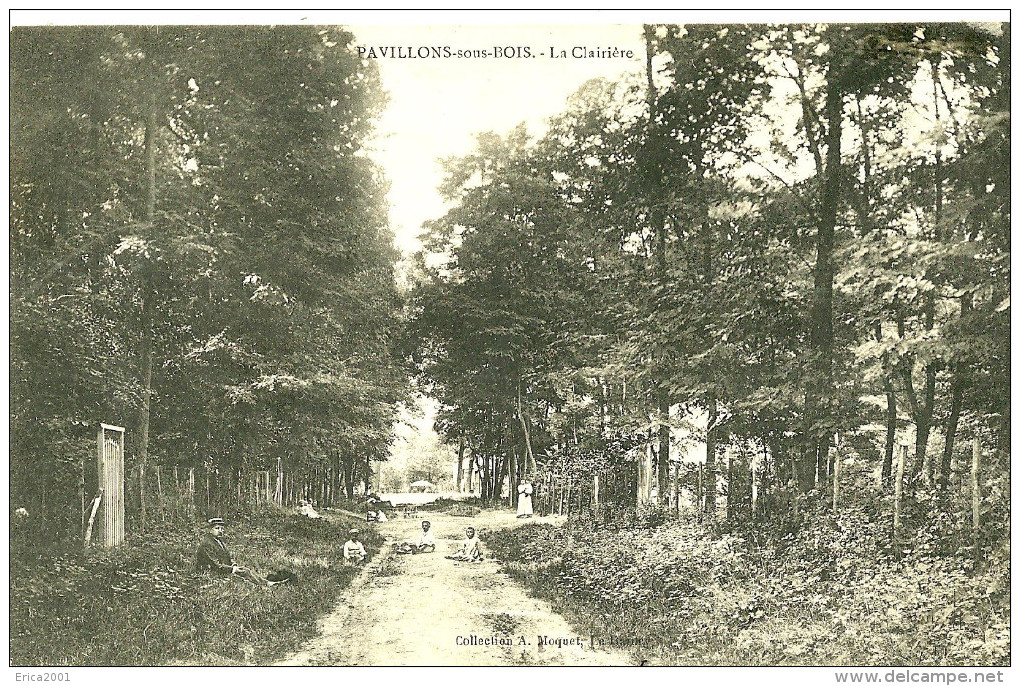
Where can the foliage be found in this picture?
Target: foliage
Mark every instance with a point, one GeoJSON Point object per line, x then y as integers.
{"type": "Point", "coordinates": [796, 231]}
{"type": "Point", "coordinates": [417, 453]}
{"type": "Point", "coordinates": [832, 594]}
{"type": "Point", "coordinates": [248, 287]}
{"type": "Point", "coordinates": [145, 605]}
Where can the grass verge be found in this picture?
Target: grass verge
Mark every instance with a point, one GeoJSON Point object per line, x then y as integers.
{"type": "Point", "coordinates": [144, 604]}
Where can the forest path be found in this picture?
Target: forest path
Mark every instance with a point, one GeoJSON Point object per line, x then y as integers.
{"type": "Point", "coordinates": [427, 610]}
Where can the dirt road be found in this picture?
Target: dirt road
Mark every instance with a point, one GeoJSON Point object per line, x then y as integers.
{"type": "Point", "coordinates": [427, 610]}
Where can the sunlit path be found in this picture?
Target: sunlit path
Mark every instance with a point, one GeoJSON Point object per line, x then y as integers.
{"type": "Point", "coordinates": [427, 610]}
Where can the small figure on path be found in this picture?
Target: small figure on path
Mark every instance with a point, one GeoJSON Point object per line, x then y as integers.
{"type": "Point", "coordinates": [426, 542]}
{"type": "Point", "coordinates": [524, 507]}
{"type": "Point", "coordinates": [354, 549]}
{"type": "Point", "coordinates": [212, 555]}
{"type": "Point", "coordinates": [470, 550]}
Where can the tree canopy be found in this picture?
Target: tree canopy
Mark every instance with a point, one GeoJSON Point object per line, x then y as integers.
{"type": "Point", "coordinates": [796, 231]}
{"type": "Point", "coordinates": [196, 226]}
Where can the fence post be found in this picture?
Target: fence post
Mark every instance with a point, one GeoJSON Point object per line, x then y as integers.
{"type": "Point", "coordinates": [81, 497]}
{"type": "Point", "coordinates": [836, 468]}
{"type": "Point", "coordinates": [975, 490]}
{"type": "Point", "coordinates": [754, 489]}
{"type": "Point", "coordinates": [898, 494]}
{"type": "Point", "coordinates": [159, 494]}
{"type": "Point", "coordinates": [279, 482]}
{"type": "Point", "coordinates": [142, 504]}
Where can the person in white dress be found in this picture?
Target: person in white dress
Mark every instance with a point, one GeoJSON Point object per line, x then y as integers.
{"type": "Point", "coordinates": [524, 507]}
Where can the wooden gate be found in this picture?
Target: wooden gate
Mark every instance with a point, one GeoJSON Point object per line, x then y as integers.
{"type": "Point", "coordinates": [111, 483]}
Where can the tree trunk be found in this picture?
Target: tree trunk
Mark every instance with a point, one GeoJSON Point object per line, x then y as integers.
{"type": "Point", "coordinates": [515, 479]}
{"type": "Point", "coordinates": [701, 491]}
{"type": "Point", "coordinates": [955, 402]}
{"type": "Point", "coordinates": [530, 466]}
{"type": "Point", "coordinates": [349, 468]}
{"type": "Point", "coordinates": [653, 182]}
{"type": "Point", "coordinates": [501, 474]}
{"type": "Point", "coordinates": [484, 477]}
{"type": "Point", "coordinates": [662, 466]}
{"type": "Point", "coordinates": [148, 304]}
{"type": "Point", "coordinates": [710, 448]}
{"type": "Point", "coordinates": [732, 497]}
{"type": "Point", "coordinates": [460, 464]}
{"type": "Point", "coordinates": [368, 474]}
{"type": "Point", "coordinates": [890, 430]}
{"type": "Point", "coordinates": [922, 465]}
{"type": "Point", "coordinates": [802, 465]}
{"type": "Point", "coordinates": [919, 412]}
{"type": "Point", "coordinates": [921, 448]}
{"type": "Point", "coordinates": [820, 387]}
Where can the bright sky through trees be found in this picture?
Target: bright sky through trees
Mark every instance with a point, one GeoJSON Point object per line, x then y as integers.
{"type": "Point", "coordinates": [437, 105]}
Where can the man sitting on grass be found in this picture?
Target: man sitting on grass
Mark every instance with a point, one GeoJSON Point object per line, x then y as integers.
{"type": "Point", "coordinates": [354, 550]}
{"type": "Point", "coordinates": [213, 555]}
{"type": "Point", "coordinates": [470, 550]}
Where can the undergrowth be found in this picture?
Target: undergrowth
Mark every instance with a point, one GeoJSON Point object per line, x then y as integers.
{"type": "Point", "coordinates": [144, 603]}
{"type": "Point", "coordinates": [836, 592]}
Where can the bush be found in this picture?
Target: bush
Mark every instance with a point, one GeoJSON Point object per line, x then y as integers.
{"type": "Point", "coordinates": [448, 504]}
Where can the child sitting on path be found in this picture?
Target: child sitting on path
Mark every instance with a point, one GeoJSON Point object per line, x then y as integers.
{"type": "Point", "coordinates": [470, 550]}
